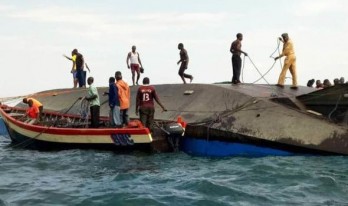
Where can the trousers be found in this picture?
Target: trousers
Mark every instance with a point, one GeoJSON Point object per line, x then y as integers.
{"type": "Point", "coordinates": [289, 64]}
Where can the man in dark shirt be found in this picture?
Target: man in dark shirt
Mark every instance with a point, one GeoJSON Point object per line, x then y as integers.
{"type": "Point", "coordinates": [184, 59]}
{"type": "Point", "coordinates": [236, 50]}
{"type": "Point", "coordinates": [145, 104]}
{"type": "Point", "coordinates": [114, 103]}
{"type": "Point", "coordinates": [80, 73]}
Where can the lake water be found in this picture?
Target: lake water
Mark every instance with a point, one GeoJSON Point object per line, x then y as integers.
{"type": "Point", "coordinates": [89, 177]}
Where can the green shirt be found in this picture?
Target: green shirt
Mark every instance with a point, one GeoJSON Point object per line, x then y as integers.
{"type": "Point", "coordinates": [91, 92]}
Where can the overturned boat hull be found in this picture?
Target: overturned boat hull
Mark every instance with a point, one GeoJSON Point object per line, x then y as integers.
{"type": "Point", "coordinates": [246, 119]}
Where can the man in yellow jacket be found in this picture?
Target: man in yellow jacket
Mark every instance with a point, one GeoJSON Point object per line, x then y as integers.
{"type": "Point", "coordinates": [289, 62]}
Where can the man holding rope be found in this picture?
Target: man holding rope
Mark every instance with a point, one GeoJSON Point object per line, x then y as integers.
{"type": "Point", "coordinates": [289, 62]}
{"type": "Point", "coordinates": [236, 50]}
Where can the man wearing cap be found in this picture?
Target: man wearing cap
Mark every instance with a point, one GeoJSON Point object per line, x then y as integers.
{"type": "Point", "coordinates": [289, 62]}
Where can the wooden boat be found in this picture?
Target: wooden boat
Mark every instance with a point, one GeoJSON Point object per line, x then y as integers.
{"type": "Point", "coordinates": [57, 131]}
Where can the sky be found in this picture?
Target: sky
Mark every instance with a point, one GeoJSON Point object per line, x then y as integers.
{"type": "Point", "coordinates": [36, 33]}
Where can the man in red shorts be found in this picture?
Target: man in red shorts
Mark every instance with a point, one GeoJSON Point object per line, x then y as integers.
{"type": "Point", "coordinates": [145, 105]}
{"type": "Point", "coordinates": [135, 64]}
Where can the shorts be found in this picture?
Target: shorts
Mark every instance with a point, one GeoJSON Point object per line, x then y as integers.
{"type": "Point", "coordinates": [81, 77]}
{"type": "Point", "coordinates": [74, 74]}
{"type": "Point", "coordinates": [183, 66]}
{"type": "Point", "coordinates": [135, 67]}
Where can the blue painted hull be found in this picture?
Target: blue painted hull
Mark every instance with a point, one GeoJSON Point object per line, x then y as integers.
{"type": "Point", "coordinates": [215, 148]}
{"type": "Point", "coordinates": [3, 129]}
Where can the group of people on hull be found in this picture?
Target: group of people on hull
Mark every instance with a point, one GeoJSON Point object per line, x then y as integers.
{"type": "Point", "coordinates": [326, 83]}
{"type": "Point", "coordinates": [119, 92]}
{"type": "Point", "coordinates": [289, 62]}
{"type": "Point", "coordinates": [133, 62]}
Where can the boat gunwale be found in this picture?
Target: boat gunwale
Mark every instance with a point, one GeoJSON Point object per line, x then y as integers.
{"type": "Point", "coordinates": [69, 131]}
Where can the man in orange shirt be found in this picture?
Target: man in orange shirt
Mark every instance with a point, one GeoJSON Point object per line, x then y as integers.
{"type": "Point", "coordinates": [36, 104]}
{"type": "Point", "coordinates": [32, 112]}
{"type": "Point", "coordinates": [124, 95]}
{"type": "Point", "coordinates": [289, 62]}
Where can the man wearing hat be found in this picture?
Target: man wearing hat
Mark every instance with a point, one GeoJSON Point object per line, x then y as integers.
{"type": "Point", "coordinates": [289, 62]}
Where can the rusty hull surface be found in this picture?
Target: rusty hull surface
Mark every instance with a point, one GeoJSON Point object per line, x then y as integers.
{"type": "Point", "coordinates": [247, 110]}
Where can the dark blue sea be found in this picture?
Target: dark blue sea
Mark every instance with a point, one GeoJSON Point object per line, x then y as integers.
{"type": "Point", "coordinates": [89, 177]}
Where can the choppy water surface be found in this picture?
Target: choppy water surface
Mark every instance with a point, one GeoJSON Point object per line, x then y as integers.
{"type": "Point", "coordinates": [89, 177]}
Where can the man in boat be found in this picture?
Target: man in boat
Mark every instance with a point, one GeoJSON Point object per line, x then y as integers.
{"type": "Point", "coordinates": [124, 96]}
{"type": "Point", "coordinates": [135, 64]}
{"type": "Point", "coordinates": [114, 103]}
{"type": "Point", "coordinates": [145, 103]}
{"type": "Point", "coordinates": [36, 104]}
{"type": "Point", "coordinates": [93, 98]}
{"type": "Point", "coordinates": [32, 112]}
{"type": "Point", "coordinates": [236, 50]}
{"type": "Point", "coordinates": [184, 60]}
{"type": "Point", "coordinates": [289, 62]}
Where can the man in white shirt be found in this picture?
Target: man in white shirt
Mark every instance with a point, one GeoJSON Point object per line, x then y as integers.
{"type": "Point", "coordinates": [135, 64]}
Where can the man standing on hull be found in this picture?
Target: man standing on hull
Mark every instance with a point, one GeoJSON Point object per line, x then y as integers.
{"type": "Point", "coordinates": [184, 60]}
{"type": "Point", "coordinates": [236, 50]}
{"type": "Point", "coordinates": [73, 69]}
{"type": "Point", "coordinates": [289, 62]}
{"type": "Point", "coordinates": [135, 65]}
{"type": "Point", "coordinates": [79, 63]}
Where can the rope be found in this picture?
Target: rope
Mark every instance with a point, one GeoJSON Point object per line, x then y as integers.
{"type": "Point", "coordinates": [277, 49]}
{"type": "Point", "coordinates": [338, 100]}
{"type": "Point", "coordinates": [175, 110]}
{"type": "Point", "coordinates": [84, 109]}
{"type": "Point", "coordinates": [280, 62]}
{"type": "Point", "coordinates": [221, 114]}
{"type": "Point", "coordinates": [262, 76]}
{"type": "Point", "coordinates": [243, 69]}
